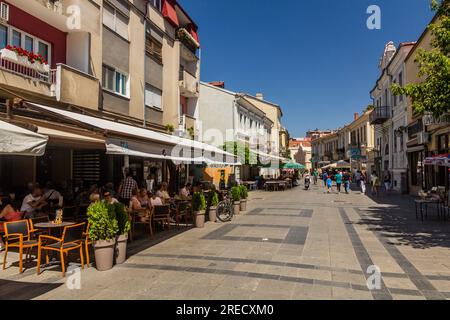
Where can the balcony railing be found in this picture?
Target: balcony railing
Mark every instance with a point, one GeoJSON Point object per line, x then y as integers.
{"type": "Point", "coordinates": [27, 72]}
{"type": "Point", "coordinates": [380, 115]}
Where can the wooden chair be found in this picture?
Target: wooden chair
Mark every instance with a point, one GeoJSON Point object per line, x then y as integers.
{"type": "Point", "coordinates": [144, 217]}
{"type": "Point", "coordinates": [18, 235]}
{"type": "Point", "coordinates": [182, 211]}
{"type": "Point", "coordinates": [161, 214]}
{"type": "Point", "coordinates": [72, 239]}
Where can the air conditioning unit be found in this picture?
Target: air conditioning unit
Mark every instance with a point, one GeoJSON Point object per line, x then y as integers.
{"type": "Point", "coordinates": [423, 138]}
{"type": "Point", "coordinates": [4, 12]}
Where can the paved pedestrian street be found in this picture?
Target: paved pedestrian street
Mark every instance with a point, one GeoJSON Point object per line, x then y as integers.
{"type": "Point", "coordinates": [295, 244]}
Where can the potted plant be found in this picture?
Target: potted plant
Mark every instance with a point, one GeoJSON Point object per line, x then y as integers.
{"type": "Point", "coordinates": [213, 206]}
{"type": "Point", "coordinates": [103, 229]}
{"type": "Point", "coordinates": [124, 227]}
{"type": "Point", "coordinates": [244, 196]}
{"type": "Point", "coordinates": [236, 197]}
{"type": "Point", "coordinates": [199, 207]}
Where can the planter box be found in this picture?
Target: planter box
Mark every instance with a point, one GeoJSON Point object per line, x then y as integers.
{"type": "Point", "coordinates": [12, 56]}
{"type": "Point", "coordinates": [104, 254]}
{"type": "Point", "coordinates": [213, 214]}
{"type": "Point", "coordinates": [237, 207]}
{"type": "Point", "coordinates": [243, 206]}
{"type": "Point", "coordinates": [199, 219]}
{"type": "Point", "coordinates": [121, 249]}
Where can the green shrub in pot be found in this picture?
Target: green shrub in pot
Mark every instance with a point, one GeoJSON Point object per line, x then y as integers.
{"type": "Point", "coordinates": [199, 207]}
{"type": "Point", "coordinates": [124, 227]}
{"type": "Point", "coordinates": [236, 197]}
{"type": "Point", "coordinates": [103, 229]}
{"type": "Point", "coordinates": [244, 196]}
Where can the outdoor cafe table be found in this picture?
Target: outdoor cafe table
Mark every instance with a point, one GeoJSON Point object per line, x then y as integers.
{"type": "Point", "coordinates": [252, 185]}
{"type": "Point", "coordinates": [422, 207]}
{"type": "Point", "coordinates": [52, 228]}
{"type": "Point", "coordinates": [273, 185]}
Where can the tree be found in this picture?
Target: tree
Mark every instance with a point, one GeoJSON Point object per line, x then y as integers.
{"type": "Point", "coordinates": [433, 93]}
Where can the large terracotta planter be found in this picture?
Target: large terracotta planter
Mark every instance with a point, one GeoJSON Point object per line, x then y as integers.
{"type": "Point", "coordinates": [213, 214]}
{"type": "Point", "coordinates": [104, 254]}
{"type": "Point", "coordinates": [237, 207]}
{"type": "Point", "coordinates": [243, 206]}
{"type": "Point", "coordinates": [121, 248]}
{"type": "Point", "coordinates": [199, 219]}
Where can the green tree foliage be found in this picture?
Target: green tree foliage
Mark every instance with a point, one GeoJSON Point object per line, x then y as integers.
{"type": "Point", "coordinates": [236, 194]}
{"type": "Point", "coordinates": [198, 202]}
{"type": "Point", "coordinates": [433, 93]}
{"type": "Point", "coordinates": [121, 216]}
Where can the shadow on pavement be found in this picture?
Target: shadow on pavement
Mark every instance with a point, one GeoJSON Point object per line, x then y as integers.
{"type": "Point", "coordinates": [395, 219]}
{"type": "Point", "coordinates": [14, 290]}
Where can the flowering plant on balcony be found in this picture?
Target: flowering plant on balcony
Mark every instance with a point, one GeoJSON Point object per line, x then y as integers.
{"type": "Point", "coordinates": [32, 57]}
{"type": "Point", "coordinates": [184, 36]}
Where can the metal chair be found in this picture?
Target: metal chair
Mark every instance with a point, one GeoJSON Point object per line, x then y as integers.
{"type": "Point", "coordinates": [18, 235]}
{"type": "Point", "coordinates": [72, 239]}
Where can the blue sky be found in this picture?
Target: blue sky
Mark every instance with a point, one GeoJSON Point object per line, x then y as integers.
{"type": "Point", "coordinates": [317, 59]}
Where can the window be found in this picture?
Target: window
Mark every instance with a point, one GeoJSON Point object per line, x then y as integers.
{"type": "Point", "coordinates": [43, 50]}
{"type": "Point", "coordinates": [157, 4]}
{"type": "Point", "coordinates": [116, 21]}
{"type": "Point", "coordinates": [26, 41]}
{"type": "Point", "coordinates": [16, 38]}
{"type": "Point", "coordinates": [394, 96]}
{"type": "Point", "coordinates": [29, 44]}
{"type": "Point", "coordinates": [153, 97]}
{"type": "Point", "coordinates": [395, 142]}
{"type": "Point", "coordinates": [153, 48]}
{"type": "Point", "coordinates": [3, 36]}
{"type": "Point", "coordinates": [401, 142]}
{"type": "Point", "coordinates": [115, 81]}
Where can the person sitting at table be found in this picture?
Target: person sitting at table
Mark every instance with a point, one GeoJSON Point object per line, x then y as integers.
{"type": "Point", "coordinates": [185, 193]}
{"type": "Point", "coordinates": [135, 204]}
{"type": "Point", "coordinates": [52, 196]}
{"type": "Point", "coordinates": [155, 200]}
{"type": "Point", "coordinates": [163, 193]}
{"type": "Point", "coordinates": [33, 203]}
{"type": "Point", "coordinates": [143, 198]}
{"type": "Point", "coordinates": [109, 199]}
{"type": "Point", "coordinates": [94, 197]}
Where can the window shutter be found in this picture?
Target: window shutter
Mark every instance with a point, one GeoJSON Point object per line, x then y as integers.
{"type": "Point", "coordinates": [108, 16]}
{"type": "Point", "coordinates": [122, 25]}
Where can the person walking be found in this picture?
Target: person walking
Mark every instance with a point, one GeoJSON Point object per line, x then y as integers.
{"type": "Point", "coordinates": [126, 188]}
{"type": "Point", "coordinates": [346, 179]}
{"type": "Point", "coordinates": [375, 183]}
{"type": "Point", "coordinates": [329, 184]}
{"type": "Point", "coordinates": [316, 176]}
{"type": "Point", "coordinates": [338, 177]}
{"type": "Point", "coordinates": [325, 177]}
{"type": "Point", "coordinates": [362, 183]}
{"type": "Point", "coordinates": [387, 181]}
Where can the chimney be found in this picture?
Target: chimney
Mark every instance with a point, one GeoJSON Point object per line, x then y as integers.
{"type": "Point", "coordinates": [259, 96]}
{"type": "Point", "coordinates": [356, 116]}
{"type": "Point", "coordinates": [219, 84]}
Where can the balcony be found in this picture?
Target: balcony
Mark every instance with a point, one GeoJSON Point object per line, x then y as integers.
{"type": "Point", "coordinates": [189, 85]}
{"type": "Point", "coordinates": [26, 76]}
{"type": "Point", "coordinates": [188, 42]}
{"type": "Point", "coordinates": [75, 87]}
{"type": "Point", "coordinates": [380, 115]}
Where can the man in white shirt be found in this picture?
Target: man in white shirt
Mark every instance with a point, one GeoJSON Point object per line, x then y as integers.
{"type": "Point", "coordinates": [32, 202]}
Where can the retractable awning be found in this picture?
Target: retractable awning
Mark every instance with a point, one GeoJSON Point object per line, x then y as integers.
{"type": "Point", "coordinates": [15, 140]}
{"type": "Point", "coordinates": [148, 143]}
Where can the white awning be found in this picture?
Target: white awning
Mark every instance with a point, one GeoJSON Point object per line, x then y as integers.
{"type": "Point", "coordinates": [15, 140]}
{"type": "Point", "coordinates": [114, 129]}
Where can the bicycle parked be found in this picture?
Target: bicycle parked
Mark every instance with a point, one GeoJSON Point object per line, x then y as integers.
{"type": "Point", "coordinates": [225, 209]}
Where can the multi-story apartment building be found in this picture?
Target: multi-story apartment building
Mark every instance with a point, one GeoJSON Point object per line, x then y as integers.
{"type": "Point", "coordinates": [227, 117]}
{"type": "Point", "coordinates": [390, 116]}
{"type": "Point", "coordinates": [119, 75]}
{"type": "Point", "coordinates": [352, 143]}
{"type": "Point", "coordinates": [427, 137]}
{"type": "Point", "coordinates": [301, 151]}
